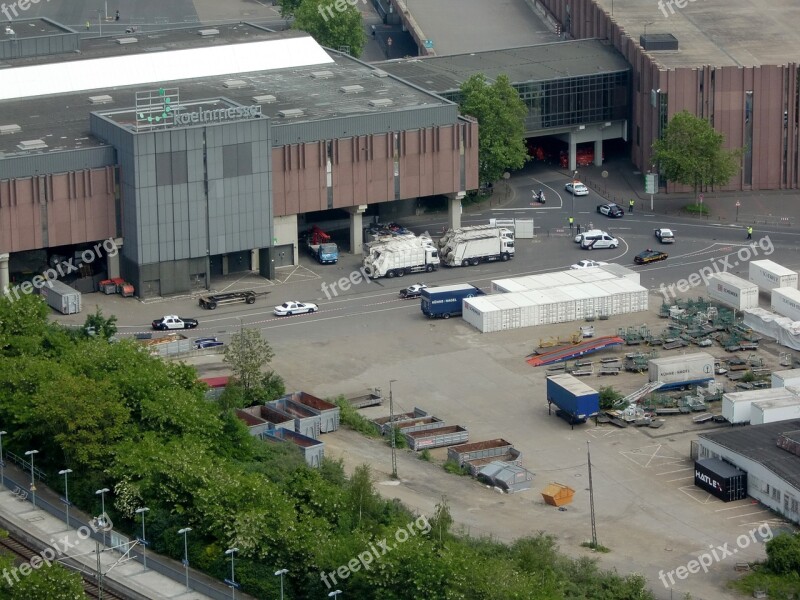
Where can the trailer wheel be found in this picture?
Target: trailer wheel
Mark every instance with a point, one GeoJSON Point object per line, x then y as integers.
{"type": "Point", "coordinates": [390, 274]}
{"type": "Point", "coordinates": [401, 272]}
{"type": "Point", "coordinates": [465, 263]}
{"type": "Point", "coordinates": [429, 268]}
{"type": "Point", "coordinates": [250, 299]}
{"type": "Point", "coordinates": [475, 262]}
{"type": "Point", "coordinates": [446, 316]}
{"type": "Point", "coordinates": [504, 257]}
{"type": "Point", "coordinates": [211, 305]}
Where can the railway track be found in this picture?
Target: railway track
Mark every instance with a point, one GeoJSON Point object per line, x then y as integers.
{"type": "Point", "coordinates": [24, 553]}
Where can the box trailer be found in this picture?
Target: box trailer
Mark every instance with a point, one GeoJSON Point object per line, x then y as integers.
{"type": "Point", "coordinates": [61, 297]}
{"type": "Point", "coordinates": [768, 275]}
{"type": "Point", "coordinates": [328, 413]}
{"type": "Point", "coordinates": [306, 422]}
{"type": "Point", "coordinates": [771, 411]}
{"type": "Point", "coordinates": [737, 406]}
{"type": "Point", "coordinates": [681, 371]}
{"type": "Point", "coordinates": [447, 300]}
{"type": "Point", "coordinates": [789, 377]}
{"type": "Point", "coordinates": [312, 449]}
{"type": "Point", "coordinates": [720, 479]}
{"type": "Point", "coordinates": [786, 302]}
{"type": "Point", "coordinates": [437, 438]}
{"type": "Point", "coordinates": [573, 397]}
{"type": "Point", "coordinates": [732, 291]}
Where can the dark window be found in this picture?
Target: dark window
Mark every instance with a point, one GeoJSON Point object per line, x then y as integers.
{"type": "Point", "coordinates": [748, 138]}
{"type": "Point", "coordinates": [237, 159]}
{"type": "Point", "coordinates": [171, 168]}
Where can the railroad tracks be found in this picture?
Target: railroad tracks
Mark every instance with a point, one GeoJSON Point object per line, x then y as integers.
{"type": "Point", "coordinates": [25, 553]}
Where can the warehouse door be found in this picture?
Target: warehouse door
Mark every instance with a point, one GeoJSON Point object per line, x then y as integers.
{"type": "Point", "coordinates": [283, 255]}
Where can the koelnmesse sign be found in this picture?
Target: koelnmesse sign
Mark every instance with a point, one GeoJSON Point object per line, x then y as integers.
{"type": "Point", "coordinates": [216, 114]}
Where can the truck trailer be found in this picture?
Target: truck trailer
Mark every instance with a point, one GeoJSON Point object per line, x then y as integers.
{"type": "Point", "coordinates": [473, 245]}
{"type": "Point", "coordinates": [737, 407]}
{"type": "Point", "coordinates": [681, 371]}
{"type": "Point", "coordinates": [447, 300]}
{"type": "Point", "coordinates": [400, 257]}
{"type": "Point", "coordinates": [575, 400]}
{"type": "Point", "coordinates": [768, 275]}
{"type": "Point", "coordinates": [61, 297]}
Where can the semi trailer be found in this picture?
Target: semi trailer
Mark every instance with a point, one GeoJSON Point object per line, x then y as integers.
{"type": "Point", "coordinates": [447, 300]}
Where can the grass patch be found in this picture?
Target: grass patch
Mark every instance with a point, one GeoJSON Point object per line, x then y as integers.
{"type": "Point", "coordinates": [350, 417]}
{"type": "Point", "coordinates": [453, 467]}
{"type": "Point", "coordinates": [779, 587]}
{"type": "Point", "coordinates": [425, 455]}
{"type": "Point", "coordinates": [399, 439]}
{"type": "Point", "coordinates": [697, 209]}
{"type": "Point", "coordinates": [596, 547]}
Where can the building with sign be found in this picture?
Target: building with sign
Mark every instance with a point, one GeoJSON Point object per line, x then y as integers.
{"type": "Point", "coordinates": [198, 149]}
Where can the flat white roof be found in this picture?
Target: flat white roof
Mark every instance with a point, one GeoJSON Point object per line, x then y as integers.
{"type": "Point", "coordinates": [156, 67]}
{"type": "Point", "coordinates": [773, 267]}
{"type": "Point", "coordinates": [450, 288]}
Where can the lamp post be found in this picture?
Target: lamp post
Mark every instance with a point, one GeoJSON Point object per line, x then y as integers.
{"type": "Point", "coordinates": [391, 425]}
{"type": "Point", "coordinates": [2, 460]}
{"type": "Point", "coordinates": [574, 183]}
{"type": "Point", "coordinates": [32, 453]}
{"type": "Point", "coordinates": [231, 552]}
{"type": "Point", "coordinates": [645, 27]}
{"type": "Point", "coordinates": [102, 494]}
{"type": "Point", "coordinates": [281, 573]}
{"type": "Point", "coordinates": [183, 532]}
{"type": "Point", "coordinates": [334, 594]}
{"type": "Point", "coordinates": [141, 511]}
{"type": "Point", "coordinates": [66, 472]}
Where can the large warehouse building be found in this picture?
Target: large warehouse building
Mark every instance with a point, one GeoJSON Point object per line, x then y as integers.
{"type": "Point", "coordinates": [198, 149]}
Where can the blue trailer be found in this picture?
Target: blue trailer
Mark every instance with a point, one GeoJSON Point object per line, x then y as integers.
{"type": "Point", "coordinates": [448, 300]}
{"type": "Point", "coordinates": [575, 400]}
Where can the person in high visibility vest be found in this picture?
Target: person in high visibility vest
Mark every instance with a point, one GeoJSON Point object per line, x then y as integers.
{"type": "Point", "coordinates": [630, 205]}
{"type": "Point", "coordinates": [571, 223]}
{"type": "Point", "coordinates": [749, 233]}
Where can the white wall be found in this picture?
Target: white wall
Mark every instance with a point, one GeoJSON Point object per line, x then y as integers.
{"type": "Point", "coordinates": [285, 232]}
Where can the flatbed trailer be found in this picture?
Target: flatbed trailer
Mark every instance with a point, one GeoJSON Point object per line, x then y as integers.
{"type": "Point", "coordinates": [211, 301]}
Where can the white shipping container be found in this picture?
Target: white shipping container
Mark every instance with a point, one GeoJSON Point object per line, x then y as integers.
{"type": "Point", "coordinates": [772, 411]}
{"type": "Point", "coordinates": [768, 275]}
{"type": "Point", "coordinates": [737, 406]}
{"type": "Point", "coordinates": [545, 281]}
{"type": "Point", "coordinates": [732, 291]}
{"type": "Point", "coordinates": [686, 367]}
{"type": "Point", "coordinates": [786, 302]}
{"type": "Point", "coordinates": [61, 297]}
{"type": "Point", "coordinates": [789, 377]}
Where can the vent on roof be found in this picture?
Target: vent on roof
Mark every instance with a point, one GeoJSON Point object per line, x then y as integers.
{"type": "Point", "coordinates": [127, 40]}
{"type": "Point", "coordinates": [265, 99]}
{"type": "Point", "coordinates": [234, 83]}
{"type": "Point", "coordinates": [658, 41]}
{"type": "Point", "coordinates": [379, 102]}
{"type": "Point", "coordinates": [322, 74]}
{"type": "Point", "coordinates": [155, 49]}
{"type": "Point", "coordinates": [380, 73]}
{"type": "Point", "coordinates": [7, 129]}
{"type": "Point", "coordinates": [291, 113]}
{"type": "Point", "coordinates": [104, 99]}
{"type": "Point", "coordinates": [31, 145]}
{"type": "Point", "coordinates": [351, 89]}
{"type": "Point", "coordinates": [208, 32]}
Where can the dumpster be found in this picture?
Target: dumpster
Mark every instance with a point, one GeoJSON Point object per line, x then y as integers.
{"type": "Point", "coordinates": [437, 438]}
{"type": "Point", "coordinates": [557, 494]}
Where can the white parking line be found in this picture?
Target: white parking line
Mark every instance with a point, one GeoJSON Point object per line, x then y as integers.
{"type": "Point", "coordinates": [758, 512]}
{"type": "Point", "coordinates": [680, 479]}
{"type": "Point", "coordinates": [675, 471]}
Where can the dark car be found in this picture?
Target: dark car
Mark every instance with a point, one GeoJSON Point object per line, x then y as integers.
{"type": "Point", "coordinates": [174, 322]}
{"type": "Point", "coordinates": [611, 210]}
{"type": "Point", "coordinates": [649, 256]}
{"type": "Point", "coordinates": [209, 342]}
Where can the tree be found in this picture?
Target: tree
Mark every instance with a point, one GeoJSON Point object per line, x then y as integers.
{"type": "Point", "coordinates": [47, 580]}
{"type": "Point", "coordinates": [99, 325]}
{"type": "Point", "coordinates": [690, 152]}
{"type": "Point", "coordinates": [331, 27]}
{"type": "Point", "coordinates": [783, 554]}
{"type": "Point", "coordinates": [288, 7]}
{"type": "Point", "coordinates": [501, 116]}
{"type": "Point", "coordinates": [247, 353]}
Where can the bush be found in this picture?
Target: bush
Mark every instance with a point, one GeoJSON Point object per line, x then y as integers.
{"type": "Point", "coordinates": [399, 439]}
{"type": "Point", "coordinates": [453, 467]}
{"type": "Point", "coordinates": [350, 417]}
{"type": "Point", "coordinates": [609, 397]}
{"type": "Point", "coordinates": [425, 455]}
{"type": "Point", "coordinates": [697, 209]}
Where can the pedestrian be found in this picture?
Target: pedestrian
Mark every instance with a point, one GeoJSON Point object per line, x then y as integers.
{"type": "Point", "coordinates": [116, 16]}
{"type": "Point", "coordinates": [578, 229]}
{"type": "Point", "coordinates": [749, 233]}
{"type": "Point", "coordinates": [88, 25]}
{"type": "Point", "coordinates": [630, 205]}
{"type": "Point", "coordinates": [373, 31]}
{"type": "Point", "coordinates": [571, 223]}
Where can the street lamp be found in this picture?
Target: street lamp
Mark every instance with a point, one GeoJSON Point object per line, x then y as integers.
{"type": "Point", "coordinates": [141, 511]}
{"type": "Point", "coordinates": [645, 27]}
{"type": "Point", "coordinates": [574, 183]}
{"type": "Point", "coordinates": [391, 425]}
{"type": "Point", "coordinates": [183, 532]}
{"type": "Point", "coordinates": [230, 552]}
{"type": "Point", "coordinates": [334, 594]}
{"type": "Point", "coordinates": [66, 472]}
{"type": "Point", "coordinates": [2, 462]}
{"type": "Point", "coordinates": [32, 453]}
{"type": "Point", "coordinates": [103, 509]}
{"type": "Point", "coordinates": [281, 573]}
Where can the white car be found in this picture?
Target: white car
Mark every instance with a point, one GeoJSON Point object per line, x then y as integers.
{"type": "Point", "coordinates": [295, 308]}
{"type": "Point", "coordinates": [413, 291]}
{"type": "Point", "coordinates": [587, 264]}
{"type": "Point", "coordinates": [576, 188]}
{"type": "Point", "coordinates": [665, 236]}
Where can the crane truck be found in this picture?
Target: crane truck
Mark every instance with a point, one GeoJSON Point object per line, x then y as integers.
{"type": "Point", "coordinates": [319, 245]}
{"type": "Point", "coordinates": [398, 257]}
{"type": "Point", "coordinates": [472, 245]}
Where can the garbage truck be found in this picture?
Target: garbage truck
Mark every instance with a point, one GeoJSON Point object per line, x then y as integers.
{"type": "Point", "coordinates": [399, 257]}
{"type": "Point", "coordinates": [473, 245]}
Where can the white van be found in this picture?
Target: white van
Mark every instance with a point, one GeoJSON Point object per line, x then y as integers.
{"type": "Point", "coordinates": [599, 241]}
{"type": "Point", "coordinates": [580, 236]}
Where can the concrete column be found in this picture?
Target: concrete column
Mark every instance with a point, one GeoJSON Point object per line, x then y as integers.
{"type": "Point", "coordinates": [454, 209]}
{"type": "Point", "coordinates": [225, 264]}
{"type": "Point", "coordinates": [254, 259]}
{"type": "Point", "coordinates": [4, 276]}
{"type": "Point", "coordinates": [598, 151]}
{"type": "Point", "coordinates": [112, 262]}
{"type": "Point", "coordinates": [357, 228]}
{"type": "Point", "coordinates": [573, 152]}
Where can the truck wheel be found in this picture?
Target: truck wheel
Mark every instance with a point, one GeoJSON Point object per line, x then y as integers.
{"type": "Point", "coordinates": [446, 316]}
{"type": "Point", "coordinates": [250, 299]}
{"type": "Point", "coordinates": [390, 274]}
{"type": "Point", "coordinates": [211, 305]}
{"type": "Point", "coordinates": [475, 262]}
{"type": "Point", "coordinates": [401, 272]}
{"type": "Point", "coordinates": [504, 257]}
{"type": "Point", "coordinates": [465, 263]}
{"type": "Point", "coordinates": [429, 268]}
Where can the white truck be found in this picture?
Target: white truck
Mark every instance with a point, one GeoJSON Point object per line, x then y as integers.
{"type": "Point", "coordinates": [399, 257]}
{"type": "Point", "coordinates": [472, 245]}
